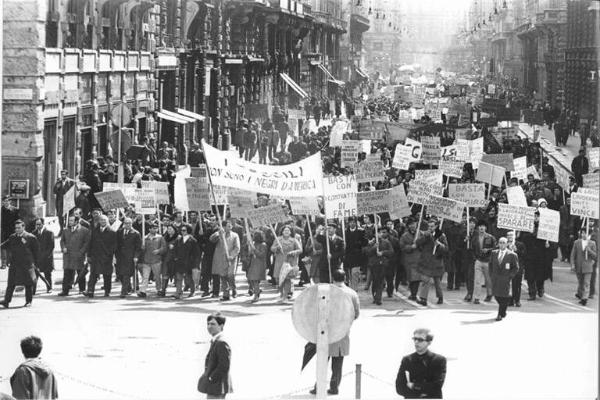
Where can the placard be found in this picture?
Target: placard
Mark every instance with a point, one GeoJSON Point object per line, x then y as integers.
{"type": "Point", "coordinates": [549, 226]}
{"type": "Point", "coordinates": [239, 204]}
{"type": "Point", "coordinates": [369, 171]}
{"type": "Point", "coordinates": [161, 190]}
{"type": "Point", "coordinates": [501, 160]}
{"type": "Point", "coordinates": [69, 199]}
{"type": "Point", "coordinates": [373, 202]}
{"type": "Point", "coordinates": [516, 218]}
{"type": "Point", "coordinates": [371, 129]}
{"type": "Point", "coordinates": [444, 207]}
{"type": "Point", "coordinates": [594, 158]}
{"type": "Point", "coordinates": [268, 215]}
{"type": "Point", "coordinates": [399, 206]}
{"type": "Point", "coordinates": [590, 191]}
{"type": "Point", "coordinates": [403, 156]}
{"type": "Point", "coordinates": [472, 149]}
{"type": "Point", "coordinates": [339, 194]}
{"type": "Point", "coordinates": [584, 205]}
{"type": "Point", "coordinates": [519, 168]}
{"type": "Point", "coordinates": [305, 206]}
{"type": "Point", "coordinates": [349, 152]}
{"type": "Point", "coordinates": [145, 198]}
{"type": "Point", "coordinates": [591, 180]}
{"type": "Point", "coordinates": [420, 192]}
{"type": "Point", "coordinates": [531, 170]}
{"type": "Point", "coordinates": [491, 174]}
{"type": "Point", "coordinates": [198, 194]}
{"type": "Point", "coordinates": [18, 188]}
{"type": "Point", "coordinates": [429, 176]}
{"type": "Point", "coordinates": [452, 168]}
{"type": "Point", "coordinates": [516, 196]}
{"type": "Point", "coordinates": [179, 189]}
{"type": "Point", "coordinates": [431, 149]}
{"type": "Point", "coordinates": [472, 194]}
{"type": "Point", "coordinates": [111, 200]}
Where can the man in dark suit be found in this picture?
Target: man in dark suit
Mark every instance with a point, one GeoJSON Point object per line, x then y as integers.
{"type": "Point", "coordinates": [336, 248]}
{"type": "Point", "coordinates": [100, 255]}
{"type": "Point", "coordinates": [354, 258]}
{"type": "Point", "coordinates": [216, 381]}
{"type": "Point", "coordinates": [10, 215]}
{"type": "Point", "coordinates": [129, 246]}
{"type": "Point", "coordinates": [186, 259]}
{"type": "Point", "coordinates": [61, 187]}
{"type": "Point", "coordinates": [422, 373]}
{"type": "Point", "coordinates": [504, 265]}
{"type": "Point", "coordinates": [23, 254]}
{"type": "Point", "coordinates": [46, 261]}
{"type": "Point", "coordinates": [583, 258]}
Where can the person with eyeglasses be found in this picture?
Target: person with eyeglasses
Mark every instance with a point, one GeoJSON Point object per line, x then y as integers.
{"type": "Point", "coordinates": [422, 373]}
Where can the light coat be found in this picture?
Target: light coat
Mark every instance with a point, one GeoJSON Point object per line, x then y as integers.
{"type": "Point", "coordinates": [342, 346]}
{"type": "Point", "coordinates": [76, 243]}
{"type": "Point", "coordinates": [220, 264]}
{"type": "Point", "coordinates": [582, 264]}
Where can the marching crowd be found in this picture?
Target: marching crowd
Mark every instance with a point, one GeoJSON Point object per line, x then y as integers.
{"type": "Point", "coordinates": [201, 251]}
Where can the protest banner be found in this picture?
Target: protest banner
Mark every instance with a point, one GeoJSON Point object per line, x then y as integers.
{"type": "Point", "coordinates": [397, 132]}
{"type": "Point", "coordinates": [472, 194]}
{"type": "Point", "coordinates": [371, 129]}
{"type": "Point", "coordinates": [444, 207]}
{"type": "Point", "coordinates": [372, 157]}
{"type": "Point", "coordinates": [594, 158]}
{"type": "Point", "coordinates": [369, 171]}
{"type": "Point", "coordinates": [339, 194]}
{"type": "Point", "coordinates": [198, 194]}
{"type": "Point", "coordinates": [144, 201]}
{"type": "Point", "coordinates": [69, 200]}
{"type": "Point", "coordinates": [501, 160]}
{"type": "Point", "coordinates": [403, 156]}
{"type": "Point", "coordinates": [549, 225]}
{"type": "Point", "coordinates": [304, 205]}
{"type": "Point", "coordinates": [591, 180]}
{"type": "Point", "coordinates": [516, 218]}
{"type": "Point", "coordinates": [373, 202]}
{"type": "Point", "coordinates": [516, 196]}
{"type": "Point", "coordinates": [161, 190]}
{"type": "Point", "coordinates": [420, 192]}
{"type": "Point", "coordinates": [429, 176]}
{"type": "Point", "coordinates": [452, 168]}
{"type": "Point", "coordinates": [267, 215]}
{"type": "Point", "coordinates": [584, 205]}
{"type": "Point", "coordinates": [303, 178]}
{"type": "Point", "coordinates": [349, 153]}
{"type": "Point", "coordinates": [111, 200]}
{"type": "Point", "coordinates": [519, 168]}
{"type": "Point", "coordinates": [399, 206]}
{"type": "Point", "coordinates": [239, 204]}
{"type": "Point", "coordinates": [431, 149]}
{"type": "Point", "coordinates": [531, 170]}
{"type": "Point", "coordinates": [491, 174]}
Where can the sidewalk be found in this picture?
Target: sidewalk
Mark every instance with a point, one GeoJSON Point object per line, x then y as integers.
{"type": "Point", "coordinates": [563, 155]}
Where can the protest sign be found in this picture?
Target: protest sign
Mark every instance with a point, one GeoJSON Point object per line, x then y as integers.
{"type": "Point", "coordinates": [452, 168]}
{"type": "Point", "coordinates": [144, 200]}
{"type": "Point", "coordinates": [590, 191]}
{"type": "Point", "coordinates": [449, 153]}
{"type": "Point", "coordinates": [591, 180]}
{"type": "Point", "coordinates": [371, 129]}
{"type": "Point", "coordinates": [444, 207]}
{"type": "Point", "coordinates": [111, 200]}
{"type": "Point", "coordinates": [584, 205]}
{"type": "Point", "coordinates": [397, 131]}
{"type": "Point", "coordinates": [268, 215]}
{"type": "Point", "coordinates": [399, 206]}
{"type": "Point", "coordinates": [470, 150]}
{"type": "Point", "coordinates": [369, 171]}
{"type": "Point", "coordinates": [472, 194]}
{"type": "Point", "coordinates": [69, 200]}
{"type": "Point", "coordinates": [349, 153]}
{"type": "Point", "coordinates": [365, 146]}
{"type": "Point", "coordinates": [594, 158]}
{"type": "Point", "coordinates": [491, 174]}
{"type": "Point", "coordinates": [339, 194]}
{"type": "Point", "coordinates": [239, 204]}
{"type": "Point", "coordinates": [519, 168]}
{"type": "Point", "coordinates": [161, 190]}
{"type": "Point", "coordinates": [305, 205]}
{"type": "Point", "coordinates": [429, 176]}
{"type": "Point", "coordinates": [417, 149]}
{"type": "Point", "coordinates": [221, 195]}
{"type": "Point", "coordinates": [373, 202]}
{"type": "Point", "coordinates": [198, 194]}
{"type": "Point", "coordinates": [372, 157]}
{"type": "Point", "coordinates": [303, 178]}
{"type": "Point", "coordinates": [549, 225]}
{"type": "Point", "coordinates": [179, 189]}
{"type": "Point", "coordinates": [516, 218]}
{"type": "Point", "coordinates": [531, 170]}
{"type": "Point", "coordinates": [420, 192]}
{"type": "Point", "coordinates": [403, 156]}
{"type": "Point", "coordinates": [431, 149]}
{"type": "Point", "coordinates": [501, 160]}
{"type": "Point", "coordinates": [516, 196]}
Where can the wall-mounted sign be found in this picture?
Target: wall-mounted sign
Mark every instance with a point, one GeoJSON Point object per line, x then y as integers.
{"type": "Point", "coordinates": [18, 188]}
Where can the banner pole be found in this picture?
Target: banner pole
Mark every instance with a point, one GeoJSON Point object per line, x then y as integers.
{"type": "Point", "coordinates": [468, 230]}
{"type": "Point", "coordinates": [376, 231]}
{"type": "Point", "coordinates": [419, 224]}
{"type": "Point", "coordinates": [344, 231]}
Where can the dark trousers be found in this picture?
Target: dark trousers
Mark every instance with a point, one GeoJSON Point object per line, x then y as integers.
{"type": "Point", "coordinates": [10, 289]}
{"type": "Point", "coordinates": [241, 151]}
{"type": "Point", "coordinates": [593, 281]}
{"type": "Point", "coordinates": [390, 271]}
{"type": "Point", "coordinates": [400, 275]}
{"type": "Point", "coordinates": [216, 285]}
{"type": "Point", "coordinates": [502, 305]}
{"type": "Point", "coordinates": [535, 286]}
{"type": "Point", "coordinates": [470, 275]}
{"type": "Point", "coordinates": [215, 396]}
{"type": "Point", "coordinates": [272, 151]}
{"type": "Point", "coordinates": [336, 373]}
{"type": "Point", "coordinates": [94, 278]}
{"type": "Point", "coordinates": [516, 287]}
{"type": "Point", "coordinates": [413, 286]}
{"type": "Point", "coordinates": [205, 278]}
{"type": "Point", "coordinates": [125, 284]}
{"type": "Point", "coordinates": [47, 275]}
{"type": "Point", "coordinates": [455, 272]}
{"type": "Point", "coordinates": [377, 272]}
{"type": "Point", "coordinates": [69, 277]}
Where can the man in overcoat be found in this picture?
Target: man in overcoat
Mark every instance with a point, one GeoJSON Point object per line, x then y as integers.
{"type": "Point", "coordinates": [336, 252]}
{"type": "Point", "coordinates": [74, 243]}
{"type": "Point", "coordinates": [583, 257]}
{"type": "Point", "coordinates": [46, 261]}
{"type": "Point", "coordinates": [410, 255]}
{"type": "Point", "coordinates": [23, 254]}
{"type": "Point", "coordinates": [61, 187]}
{"type": "Point", "coordinates": [129, 246]}
{"type": "Point", "coordinates": [102, 249]}
{"type": "Point", "coordinates": [225, 257]}
{"type": "Point", "coordinates": [354, 257]}
{"type": "Point", "coordinates": [504, 265]}
{"type": "Point", "coordinates": [187, 258]}
{"type": "Point", "coordinates": [434, 246]}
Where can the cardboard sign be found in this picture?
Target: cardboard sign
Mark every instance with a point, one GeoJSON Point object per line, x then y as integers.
{"type": "Point", "coordinates": [198, 194]}
{"type": "Point", "coordinates": [305, 206]}
{"type": "Point", "coordinates": [18, 188]}
{"type": "Point", "coordinates": [594, 157]}
{"type": "Point", "coordinates": [399, 206]}
{"type": "Point", "coordinates": [69, 200]}
{"type": "Point", "coordinates": [420, 192]}
{"type": "Point", "coordinates": [161, 190]}
{"type": "Point", "coordinates": [268, 215]}
{"type": "Point", "coordinates": [349, 153]}
{"type": "Point", "coordinates": [240, 204]}
{"type": "Point", "coordinates": [470, 150]}
{"type": "Point", "coordinates": [339, 194]}
{"type": "Point", "coordinates": [584, 205]}
{"type": "Point", "coordinates": [591, 180]}
{"type": "Point", "coordinates": [516, 218]}
{"type": "Point", "coordinates": [472, 194]}
{"type": "Point", "coordinates": [371, 129]}
{"type": "Point", "coordinates": [369, 171]}
{"type": "Point", "coordinates": [179, 190]}
{"type": "Point", "coordinates": [444, 207]}
{"type": "Point", "coordinates": [502, 160]}
{"type": "Point", "coordinates": [449, 153]}
{"type": "Point", "coordinates": [111, 200]}
{"type": "Point", "coordinates": [519, 168]}
{"type": "Point", "coordinates": [429, 176]}
{"type": "Point", "coordinates": [431, 149]}
{"type": "Point", "coordinates": [516, 196]}
{"type": "Point", "coordinates": [373, 202]}
{"type": "Point", "coordinates": [402, 157]}
{"type": "Point", "coordinates": [452, 168]}
{"type": "Point", "coordinates": [549, 225]}
{"type": "Point", "coordinates": [491, 174]}
{"type": "Point", "coordinates": [590, 191]}
{"type": "Point", "coordinates": [144, 200]}
{"type": "Point", "coordinates": [531, 170]}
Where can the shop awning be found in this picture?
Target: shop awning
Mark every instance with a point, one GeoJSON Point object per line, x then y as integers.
{"type": "Point", "coordinates": [362, 73]}
{"type": "Point", "coordinates": [339, 83]}
{"type": "Point", "coordinates": [322, 67]}
{"type": "Point", "coordinates": [293, 85]}
{"type": "Point", "coordinates": [190, 114]}
{"type": "Point", "coordinates": [168, 115]}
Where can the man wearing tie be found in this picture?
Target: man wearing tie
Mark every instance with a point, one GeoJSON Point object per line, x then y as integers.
{"type": "Point", "coordinates": [216, 380]}
{"type": "Point", "coordinates": [129, 247]}
{"type": "Point", "coordinates": [504, 265]}
{"type": "Point", "coordinates": [46, 261]}
{"type": "Point", "coordinates": [100, 255]}
{"type": "Point", "coordinates": [74, 243]}
{"type": "Point", "coordinates": [583, 257]}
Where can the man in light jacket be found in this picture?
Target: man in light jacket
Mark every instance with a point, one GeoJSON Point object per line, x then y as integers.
{"type": "Point", "coordinates": [225, 258]}
{"type": "Point", "coordinates": [583, 257]}
{"type": "Point", "coordinates": [33, 379]}
{"type": "Point", "coordinates": [153, 248]}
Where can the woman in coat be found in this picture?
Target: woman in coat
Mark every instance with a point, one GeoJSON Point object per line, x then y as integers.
{"type": "Point", "coordinates": [434, 246]}
{"type": "Point", "coordinates": [567, 231]}
{"type": "Point", "coordinates": [167, 271]}
{"type": "Point", "coordinates": [258, 264]}
{"type": "Point", "coordinates": [285, 246]}
{"type": "Point", "coordinates": [315, 250]}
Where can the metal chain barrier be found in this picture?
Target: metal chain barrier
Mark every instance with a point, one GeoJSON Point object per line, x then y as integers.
{"type": "Point", "coordinates": [77, 380]}
{"type": "Point", "coordinates": [378, 379]}
{"type": "Point", "coordinates": [301, 390]}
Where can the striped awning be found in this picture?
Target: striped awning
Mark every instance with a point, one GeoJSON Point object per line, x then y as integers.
{"type": "Point", "coordinates": [293, 85]}
{"type": "Point", "coordinates": [322, 67]}
{"type": "Point", "coordinates": [362, 73]}
{"type": "Point", "coordinates": [190, 114]}
{"type": "Point", "coordinates": [175, 117]}
{"type": "Point", "coordinates": [339, 83]}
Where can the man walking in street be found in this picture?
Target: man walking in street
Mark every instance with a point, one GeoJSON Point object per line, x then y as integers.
{"type": "Point", "coordinates": [482, 243]}
{"type": "Point", "coordinates": [61, 187]}
{"type": "Point", "coordinates": [422, 373]}
{"type": "Point", "coordinates": [153, 248]}
{"type": "Point", "coordinates": [187, 258]}
{"type": "Point", "coordinates": [102, 249]}
{"type": "Point", "coordinates": [225, 258]}
{"type": "Point", "coordinates": [216, 380]}
{"type": "Point", "coordinates": [129, 246]}
{"type": "Point", "coordinates": [583, 258]}
{"type": "Point", "coordinates": [518, 248]}
{"type": "Point", "coordinates": [45, 263]}
{"type": "Point", "coordinates": [33, 379]}
{"type": "Point", "coordinates": [74, 243]}
{"type": "Point", "coordinates": [504, 265]}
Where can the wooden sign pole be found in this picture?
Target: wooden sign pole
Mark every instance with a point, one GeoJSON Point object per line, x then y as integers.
{"type": "Point", "coordinates": [419, 224]}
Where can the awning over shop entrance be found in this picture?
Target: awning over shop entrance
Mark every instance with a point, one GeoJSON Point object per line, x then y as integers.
{"type": "Point", "coordinates": [293, 85]}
